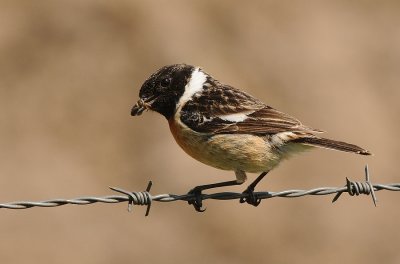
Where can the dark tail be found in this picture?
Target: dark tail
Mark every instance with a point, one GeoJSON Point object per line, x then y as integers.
{"type": "Point", "coordinates": [332, 144]}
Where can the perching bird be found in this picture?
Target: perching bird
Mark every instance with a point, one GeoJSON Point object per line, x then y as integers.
{"type": "Point", "coordinates": [227, 128]}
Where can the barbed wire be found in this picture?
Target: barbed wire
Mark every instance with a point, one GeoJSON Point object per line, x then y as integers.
{"type": "Point", "coordinates": [145, 198]}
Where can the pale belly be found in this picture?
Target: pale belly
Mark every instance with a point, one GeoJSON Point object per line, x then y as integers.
{"type": "Point", "coordinates": [227, 151]}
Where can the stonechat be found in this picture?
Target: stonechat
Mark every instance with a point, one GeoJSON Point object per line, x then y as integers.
{"type": "Point", "coordinates": [225, 127]}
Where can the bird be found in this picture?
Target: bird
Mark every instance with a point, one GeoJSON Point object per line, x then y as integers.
{"type": "Point", "coordinates": [227, 128]}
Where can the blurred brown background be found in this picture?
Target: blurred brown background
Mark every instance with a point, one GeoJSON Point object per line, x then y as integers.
{"type": "Point", "coordinates": [71, 70]}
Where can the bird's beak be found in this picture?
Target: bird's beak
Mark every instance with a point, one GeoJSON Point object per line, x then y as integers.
{"type": "Point", "coordinates": [141, 105]}
{"type": "Point", "coordinates": [138, 108]}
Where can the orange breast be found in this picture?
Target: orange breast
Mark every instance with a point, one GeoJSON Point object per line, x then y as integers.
{"type": "Point", "coordinates": [188, 140]}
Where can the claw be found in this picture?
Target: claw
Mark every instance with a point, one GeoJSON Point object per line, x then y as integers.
{"type": "Point", "coordinates": [251, 197]}
{"type": "Point", "coordinates": [197, 202]}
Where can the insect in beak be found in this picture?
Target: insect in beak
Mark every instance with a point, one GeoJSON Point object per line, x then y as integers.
{"type": "Point", "coordinates": [141, 105]}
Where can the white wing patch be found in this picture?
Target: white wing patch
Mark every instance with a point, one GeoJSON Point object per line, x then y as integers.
{"type": "Point", "coordinates": [237, 117]}
{"type": "Point", "coordinates": [194, 86]}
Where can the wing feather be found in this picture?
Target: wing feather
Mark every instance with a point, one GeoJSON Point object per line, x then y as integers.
{"type": "Point", "coordinates": [205, 113]}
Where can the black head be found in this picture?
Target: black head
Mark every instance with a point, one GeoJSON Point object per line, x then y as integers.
{"type": "Point", "coordinates": [162, 90]}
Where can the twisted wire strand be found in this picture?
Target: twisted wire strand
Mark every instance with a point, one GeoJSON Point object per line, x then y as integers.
{"type": "Point", "coordinates": [138, 200]}
{"type": "Point", "coordinates": [145, 198]}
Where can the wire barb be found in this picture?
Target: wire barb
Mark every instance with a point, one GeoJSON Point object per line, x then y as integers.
{"type": "Point", "coordinates": [357, 188]}
{"type": "Point", "coordinates": [137, 198]}
{"type": "Point", "coordinates": [145, 198]}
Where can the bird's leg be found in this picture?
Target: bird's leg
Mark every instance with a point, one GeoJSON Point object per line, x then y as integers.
{"type": "Point", "coordinates": [251, 198]}
{"type": "Point", "coordinates": [196, 191]}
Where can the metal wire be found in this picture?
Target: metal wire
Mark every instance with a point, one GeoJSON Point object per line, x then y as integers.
{"type": "Point", "coordinates": [145, 198]}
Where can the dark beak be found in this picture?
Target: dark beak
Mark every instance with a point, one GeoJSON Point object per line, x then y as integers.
{"type": "Point", "coordinates": [141, 105]}
{"type": "Point", "coordinates": [138, 108]}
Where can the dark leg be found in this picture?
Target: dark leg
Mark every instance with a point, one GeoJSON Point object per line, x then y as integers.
{"type": "Point", "coordinates": [252, 199]}
{"type": "Point", "coordinates": [196, 191]}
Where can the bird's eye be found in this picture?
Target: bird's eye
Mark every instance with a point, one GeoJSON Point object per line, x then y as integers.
{"type": "Point", "coordinates": [165, 82]}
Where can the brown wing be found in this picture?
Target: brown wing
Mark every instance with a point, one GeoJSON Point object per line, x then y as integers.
{"type": "Point", "coordinates": [226, 110]}
{"type": "Point", "coordinates": [266, 121]}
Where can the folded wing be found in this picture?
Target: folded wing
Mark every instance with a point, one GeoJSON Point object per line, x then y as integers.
{"type": "Point", "coordinates": [228, 110]}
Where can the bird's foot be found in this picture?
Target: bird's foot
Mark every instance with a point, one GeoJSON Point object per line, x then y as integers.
{"type": "Point", "coordinates": [197, 200]}
{"type": "Point", "coordinates": [251, 198]}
